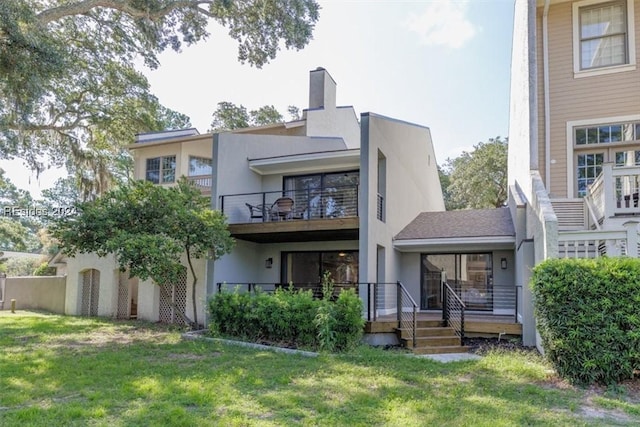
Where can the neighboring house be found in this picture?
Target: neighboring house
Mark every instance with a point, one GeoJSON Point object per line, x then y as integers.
{"type": "Point", "coordinates": [574, 137]}
{"type": "Point", "coordinates": [359, 197]}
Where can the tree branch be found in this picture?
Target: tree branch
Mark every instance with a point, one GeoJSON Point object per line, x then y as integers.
{"type": "Point", "coordinates": [85, 6]}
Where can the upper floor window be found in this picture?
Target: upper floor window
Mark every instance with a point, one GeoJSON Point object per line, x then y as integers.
{"type": "Point", "coordinates": [602, 134]}
{"type": "Point", "coordinates": [161, 170]}
{"type": "Point", "coordinates": [603, 36]}
{"type": "Point", "coordinates": [199, 166]}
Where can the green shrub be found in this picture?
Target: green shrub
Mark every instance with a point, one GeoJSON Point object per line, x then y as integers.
{"type": "Point", "coordinates": [588, 314]}
{"type": "Point", "coordinates": [291, 316]}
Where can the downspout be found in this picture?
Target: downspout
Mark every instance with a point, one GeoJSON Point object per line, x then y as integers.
{"type": "Point", "coordinates": [547, 108]}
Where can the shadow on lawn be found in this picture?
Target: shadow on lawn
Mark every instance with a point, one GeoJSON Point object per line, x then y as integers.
{"type": "Point", "coordinates": [200, 383]}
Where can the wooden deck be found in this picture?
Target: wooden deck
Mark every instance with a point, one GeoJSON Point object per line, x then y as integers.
{"type": "Point", "coordinates": [474, 324]}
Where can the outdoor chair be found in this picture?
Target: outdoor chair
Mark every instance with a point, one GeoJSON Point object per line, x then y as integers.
{"type": "Point", "coordinates": [256, 212]}
{"type": "Point", "coordinates": [282, 209]}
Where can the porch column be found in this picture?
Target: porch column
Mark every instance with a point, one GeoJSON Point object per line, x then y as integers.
{"type": "Point", "coordinates": [632, 238]}
{"type": "Point", "coordinates": [610, 202]}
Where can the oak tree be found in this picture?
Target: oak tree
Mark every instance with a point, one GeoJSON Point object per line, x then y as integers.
{"type": "Point", "coordinates": [477, 179]}
{"type": "Point", "coordinates": [70, 93]}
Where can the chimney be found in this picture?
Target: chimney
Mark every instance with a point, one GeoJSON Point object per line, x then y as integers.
{"type": "Point", "coordinates": [322, 89]}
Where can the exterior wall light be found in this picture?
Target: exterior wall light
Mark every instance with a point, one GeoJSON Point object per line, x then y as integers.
{"type": "Point", "coordinates": [268, 263]}
{"type": "Point", "coordinates": [503, 263]}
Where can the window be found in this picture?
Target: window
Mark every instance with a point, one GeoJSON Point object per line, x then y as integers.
{"type": "Point", "coordinates": [588, 169]}
{"type": "Point", "coordinates": [603, 35]}
{"type": "Point", "coordinates": [199, 166]}
{"type": "Point", "coordinates": [618, 143]}
{"type": "Point", "coordinates": [602, 134]}
{"type": "Point", "coordinates": [161, 170]}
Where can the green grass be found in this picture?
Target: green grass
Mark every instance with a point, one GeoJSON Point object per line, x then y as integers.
{"type": "Point", "coordinates": [58, 370]}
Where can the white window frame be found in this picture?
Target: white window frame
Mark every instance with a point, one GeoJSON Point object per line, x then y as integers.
{"type": "Point", "coordinates": [631, 43]}
{"type": "Point", "coordinates": [571, 147]}
{"type": "Point", "coordinates": [162, 169]}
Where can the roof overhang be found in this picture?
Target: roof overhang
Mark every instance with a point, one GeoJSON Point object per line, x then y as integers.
{"type": "Point", "coordinates": [325, 161]}
{"type": "Point", "coordinates": [456, 244]}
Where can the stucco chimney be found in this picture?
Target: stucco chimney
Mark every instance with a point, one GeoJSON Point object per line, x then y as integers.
{"type": "Point", "coordinates": [322, 89]}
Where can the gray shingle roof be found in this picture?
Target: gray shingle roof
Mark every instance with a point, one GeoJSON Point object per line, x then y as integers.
{"type": "Point", "coordinates": [466, 223]}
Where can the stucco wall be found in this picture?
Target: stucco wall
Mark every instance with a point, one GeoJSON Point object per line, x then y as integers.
{"type": "Point", "coordinates": [36, 292]}
{"type": "Point", "coordinates": [109, 274]}
{"type": "Point", "coordinates": [523, 102]}
{"type": "Point", "coordinates": [199, 146]}
{"type": "Point", "coordinates": [412, 186]}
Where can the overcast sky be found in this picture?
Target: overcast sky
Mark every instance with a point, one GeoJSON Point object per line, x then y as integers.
{"type": "Point", "coordinates": [443, 64]}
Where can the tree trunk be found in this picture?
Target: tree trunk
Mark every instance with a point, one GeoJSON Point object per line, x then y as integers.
{"type": "Point", "coordinates": [167, 299]}
{"type": "Point", "coordinates": [193, 288]}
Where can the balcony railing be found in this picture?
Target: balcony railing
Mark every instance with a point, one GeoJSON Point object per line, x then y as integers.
{"type": "Point", "coordinates": [614, 192]}
{"type": "Point", "coordinates": [202, 182]}
{"type": "Point", "coordinates": [315, 288]}
{"type": "Point", "coordinates": [291, 205]}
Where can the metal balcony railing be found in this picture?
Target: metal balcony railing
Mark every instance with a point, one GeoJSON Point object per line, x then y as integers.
{"type": "Point", "coordinates": [291, 205]}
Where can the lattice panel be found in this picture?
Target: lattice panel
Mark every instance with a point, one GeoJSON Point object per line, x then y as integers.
{"type": "Point", "coordinates": [123, 296]}
{"type": "Point", "coordinates": [90, 293]}
{"type": "Point", "coordinates": [178, 294]}
{"type": "Point", "coordinates": [166, 312]}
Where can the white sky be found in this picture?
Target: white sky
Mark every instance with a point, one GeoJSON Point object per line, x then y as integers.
{"type": "Point", "coordinates": [443, 64]}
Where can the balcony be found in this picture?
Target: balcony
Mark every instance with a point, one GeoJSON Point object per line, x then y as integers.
{"type": "Point", "coordinates": [202, 182]}
{"type": "Point", "coordinates": [614, 193]}
{"type": "Point", "coordinates": [312, 214]}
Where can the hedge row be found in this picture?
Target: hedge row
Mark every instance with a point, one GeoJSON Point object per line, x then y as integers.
{"type": "Point", "coordinates": [289, 316]}
{"type": "Point", "coordinates": [588, 313]}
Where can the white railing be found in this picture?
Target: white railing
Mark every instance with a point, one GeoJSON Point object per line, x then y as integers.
{"type": "Point", "coordinates": [615, 191]}
{"type": "Point", "coordinates": [202, 182]}
{"type": "Point", "coordinates": [596, 243]}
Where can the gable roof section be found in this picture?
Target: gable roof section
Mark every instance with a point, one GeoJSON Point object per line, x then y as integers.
{"type": "Point", "coordinates": [461, 227]}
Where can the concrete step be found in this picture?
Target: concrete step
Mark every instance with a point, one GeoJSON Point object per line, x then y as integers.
{"type": "Point", "coordinates": [441, 350]}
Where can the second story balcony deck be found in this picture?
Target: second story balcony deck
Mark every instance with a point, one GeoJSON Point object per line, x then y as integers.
{"type": "Point", "coordinates": [614, 193]}
{"type": "Point", "coordinates": [312, 214]}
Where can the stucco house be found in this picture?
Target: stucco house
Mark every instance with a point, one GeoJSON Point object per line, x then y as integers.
{"type": "Point", "coordinates": [574, 137]}
{"type": "Point", "coordinates": [358, 196]}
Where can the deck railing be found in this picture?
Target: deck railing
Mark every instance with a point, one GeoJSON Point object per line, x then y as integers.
{"type": "Point", "coordinates": [407, 311]}
{"type": "Point", "coordinates": [202, 182]}
{"type": "Point", "coordinates": [453, 309]}
{"type": "Point", "coordinates": [315, 288]}
{"type": "Point", "coordinates": [287, 205]}
{"type": "Point", "coordinates": [615, 191]}
{"type": "Point", "coordinates": [596, 243]}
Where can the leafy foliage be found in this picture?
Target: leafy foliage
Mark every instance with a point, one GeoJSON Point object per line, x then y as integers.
{"type": "Point", "coordinates": [587, 312]}
{"type": "Point", "coordinates": [477, 179]}
{"type": "Point", "coordinates": [229, 116]}
{"type": "Point", "coordinates": [70, 94]}
{"type": "Point", "coordinates": [22, 266]}
{"type": "Point", "coordinates": [290, 316]}
{"type": "Point", "coordinates": [148, 228]}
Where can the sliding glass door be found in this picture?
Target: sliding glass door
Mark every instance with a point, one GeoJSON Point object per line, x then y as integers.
{"type": "Point", "coordinates": [306, 268]}
{"type": "Point", "coordinates": [470, 276]}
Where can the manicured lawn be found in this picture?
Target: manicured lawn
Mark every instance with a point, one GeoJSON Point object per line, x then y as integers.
{"type": "Point", "coordinates": [76, 371]}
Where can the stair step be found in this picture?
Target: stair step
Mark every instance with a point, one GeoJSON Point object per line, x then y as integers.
{"type": "Point", "coordinates": [430, 323]}
{"type": "Point", "coordinates": [443, 341]}
{"type": "Point", "coordinates": [428, 332]}
{"type": "Point", "coordinates": [441, 350]}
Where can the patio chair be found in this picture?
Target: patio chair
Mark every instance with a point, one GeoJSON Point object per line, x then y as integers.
{"type": "Point", "coordinates": [256, 212]}
{"type": "Point", "coordinates": [282, 209]}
